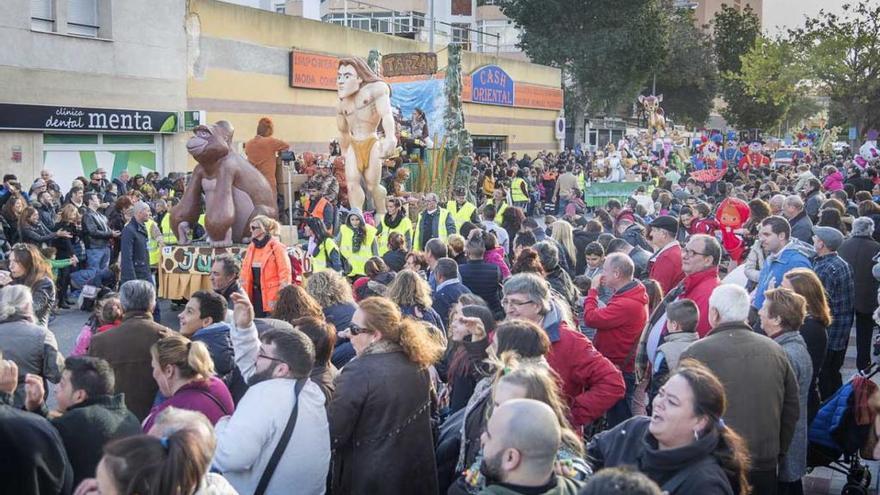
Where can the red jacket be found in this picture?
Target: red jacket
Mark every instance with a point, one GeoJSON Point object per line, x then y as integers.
{"type": "Point", "coordinates": [591, 384]}
{"type": "Point", "coordinates": [666, 268]}
{"type": "Point", "coordinates": [698, 287]}
{"type": "Point", "coordinates": [619, 324]}
{"type": "Point", "coordinates": [706, 226]}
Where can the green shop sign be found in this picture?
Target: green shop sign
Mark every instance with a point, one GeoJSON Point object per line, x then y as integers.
{"type": "Point", "coordinates": [79, 119]}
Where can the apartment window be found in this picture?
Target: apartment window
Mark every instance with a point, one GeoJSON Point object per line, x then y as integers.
{"type": "Point", "coordinates": [461, 35]}
{"type": "Point", "coordinates": [42, 15]}
{"type": "Point", "coordinates": [280, 8]}
{"type": "Point", "coordinates": [82, 17]}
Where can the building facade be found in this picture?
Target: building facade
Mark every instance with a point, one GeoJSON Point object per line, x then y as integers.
{"type": "Point", "coordinates": [91, 83]}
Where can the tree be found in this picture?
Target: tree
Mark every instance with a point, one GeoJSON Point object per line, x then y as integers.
{"type": "Point", "coordinates": [688, 76]}
{"type": "Point", "coordinates": [608, 48]}
{"type": "Point", "coordinates": [735, 33]}
{"type": "Point", "coordinates": [843, 56]}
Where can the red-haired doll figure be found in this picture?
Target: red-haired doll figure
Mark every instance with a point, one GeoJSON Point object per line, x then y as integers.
{"type": "Point", "coordinates": [732, 214]}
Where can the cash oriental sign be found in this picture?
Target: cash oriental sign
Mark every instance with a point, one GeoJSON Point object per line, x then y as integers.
{"type": "Point", "coordinates": [64, 118]}
{"type": "Point", "coordinates": [488, 85]}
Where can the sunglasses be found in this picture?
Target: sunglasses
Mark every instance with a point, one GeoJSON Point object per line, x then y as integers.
{"type": "Point", "coordinates": [355, 329]}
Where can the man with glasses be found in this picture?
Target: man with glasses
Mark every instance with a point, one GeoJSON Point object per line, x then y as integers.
{"type": "Point", "coordinates": [433, 223]}
{"type": "Point", "coordinates": [276, 366]}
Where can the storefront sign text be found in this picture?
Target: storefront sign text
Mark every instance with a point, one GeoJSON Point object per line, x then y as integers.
{"type": "Point", "coordinates": [44, 117]}
{"type": "Point", "coordinates": [312, 70]}
{"type": "Point", "coordinates": [492, 86]}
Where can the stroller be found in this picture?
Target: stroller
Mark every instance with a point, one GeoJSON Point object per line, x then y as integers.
{"type": "Point", "coordinates": [836, 435]}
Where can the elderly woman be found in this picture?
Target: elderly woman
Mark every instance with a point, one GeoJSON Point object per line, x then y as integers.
{"type": "Point", "coordinates": [684, 446]}
{"type": "Point", "coordinates": [412, 295]}
{"type": "Point", "coordinates": [32, 347]}
{"type": "Point", "coordinates": [184, 372]}
{"type": "Point", "coordinates": [380, 415]}
{"type": "Point", "coordinates": [782, 315]}
{"type": "Point", "coordinates": [28, 267]}
{"type": "Point", "coordinates": [333, 294]}
{"type": "Point", "coordinates": [591, 384]}
{"type": "Point", "coordinates": [265, 269]}
{"type": "Point", "coordinates": [814, 330]}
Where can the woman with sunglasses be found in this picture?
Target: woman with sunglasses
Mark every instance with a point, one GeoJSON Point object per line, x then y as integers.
{"type": "Point", "coordinates": [380, 415]}
{"type": "Point", "coordinates": [265, 269]}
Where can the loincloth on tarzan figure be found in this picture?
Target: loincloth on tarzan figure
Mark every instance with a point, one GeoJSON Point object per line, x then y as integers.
{"type": "Point", "coordinates": [362, 151]}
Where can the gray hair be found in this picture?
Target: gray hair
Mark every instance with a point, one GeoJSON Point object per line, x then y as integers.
{"type": "Point", "coordinates": [863, 227]}
{"type": "Point", "coordinates": [16, 301]}
{"type": "Point", "coordinates": [137, 295]}
{"type": "Point", "coordinates": [622, 263]}
{"type": "Point", "coordinates": [794, 201]}
{"type": "Point", "coordinates": [531, 285]}
{"type": "Point", "coordinates": [548, 254]}
{"type": "Point", "coordinates": [777, 199]}
{"type": "Point", "coordinates": [139, 207]}
{"type": "Point", "coordinates": [173, 419]}
{"type": "Point", "coordinates": [731, 302]}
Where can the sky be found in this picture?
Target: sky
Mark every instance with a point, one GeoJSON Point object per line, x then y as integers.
{"type": "Point", "coordinates": [789, 14]}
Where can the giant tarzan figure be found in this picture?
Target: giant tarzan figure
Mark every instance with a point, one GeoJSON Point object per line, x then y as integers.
{"type": "Point", "coordinates": [364, 103]}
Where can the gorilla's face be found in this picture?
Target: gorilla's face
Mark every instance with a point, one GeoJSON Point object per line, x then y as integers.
{"type": "Point", "coordinates": [208, 144]}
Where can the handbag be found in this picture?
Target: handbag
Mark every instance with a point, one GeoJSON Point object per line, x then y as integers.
{"type": "Point", "coordinates": [266, 477]}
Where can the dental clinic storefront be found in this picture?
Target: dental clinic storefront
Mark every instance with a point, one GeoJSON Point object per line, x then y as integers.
{"type": "Point", "coordinates": [74, 141]}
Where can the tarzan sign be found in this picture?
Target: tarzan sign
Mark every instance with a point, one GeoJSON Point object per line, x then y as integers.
{"type": "Point", "coordinates": [409, 64]}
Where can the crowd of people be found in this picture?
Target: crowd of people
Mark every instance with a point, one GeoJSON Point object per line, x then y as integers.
{"type": "Point", "coordinates": [509, 340]}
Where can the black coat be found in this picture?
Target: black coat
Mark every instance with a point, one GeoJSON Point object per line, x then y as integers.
{"type": "Point", "coordinates": [36, 234]}
{"type": "Point", "coordinates": [816, 337]}
{"type": "Point", "coordinates": [66, 247]}
{"type": "Point", "coordinates": [631, 444]}
{"type": "Point", "coordinates": [395, 259]}
{"type": "Point", "coordinates": [32, 457]}
{"type": "Point", "coordinates": [87, 426]}
{"type": "Point", "coordinates": [582, 238]}
{"type": "Point", "coordinates": [484, 280]}
{"type": "Point", "coordinates": [859, 252]}
{"type": "Point", "coordinates": [134, 260]}
{"type": "Point", "coordinates": [381, 435]}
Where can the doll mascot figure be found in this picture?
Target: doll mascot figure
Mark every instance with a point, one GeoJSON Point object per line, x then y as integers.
{"type": "Point", "coordinates": [868, 152]}
{"type": "Point", "coordinates": [732, 153]}
{"type": "Point", "coordinates": [754, 158]}
{"type": "Point", "coordinates": [707, 156]}
{"type": "Point", "coordinates": [732, 213]}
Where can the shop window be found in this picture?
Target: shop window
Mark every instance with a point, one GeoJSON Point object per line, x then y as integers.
{"type": "Point", "coordinates": [70, 139]}
{"type": "Point", "coordinates": [82, 17]}
{"type": "Point", "coordinates": [43, 15]}
{"type": "Point", "coordinates": [128, 139]}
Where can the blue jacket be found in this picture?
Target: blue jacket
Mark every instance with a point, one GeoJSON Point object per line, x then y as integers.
{"type": "Point", "coordinates": [794, 255]}
{"type": "Point", "coordinates": [445, 296]}
{"type": "Point", "coordinates": [216, 339]}
{"type": "Point", "coordinates": [830, 416]}
{"type": "Point", "coordinates": [134, 260]}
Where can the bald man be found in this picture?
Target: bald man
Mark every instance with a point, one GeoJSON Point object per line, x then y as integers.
{"type": "Point", "coordinates": [519, 451]}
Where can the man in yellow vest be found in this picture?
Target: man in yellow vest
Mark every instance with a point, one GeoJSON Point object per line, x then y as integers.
{"type": "Point", "coordinates": [461, 209]}
{"type": "Point", "coordinates": [169, 238]}
{"type": "Point", "coordinates": [433, 223]}
{"type": "Point", "coordinates": [357, 242]}
{"type": "Point", "coordinates": [519, 190]}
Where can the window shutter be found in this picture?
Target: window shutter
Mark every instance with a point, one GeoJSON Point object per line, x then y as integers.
{"type": "Point", "coordinates": [83, 12]}
{"type": "Point", "coordinates": [42, 9]}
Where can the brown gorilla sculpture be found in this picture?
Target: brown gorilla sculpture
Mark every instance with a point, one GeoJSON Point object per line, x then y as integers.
{"type": "Point", "coordinates": [235, 191]}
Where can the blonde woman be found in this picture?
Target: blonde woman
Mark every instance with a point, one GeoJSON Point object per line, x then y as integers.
{"type": "Point", "coordinates": [563, 234]}
{"type": "Point", "coordinates": [380, 415]}
{"type": "Point", "coordinates": [184, 372]}
{"type": "Point", "coordinates": [265, 269]}
{"type": "Point", "coordinates": [333, 293]}
{"type": "Point", "coordinates": [412, 295]}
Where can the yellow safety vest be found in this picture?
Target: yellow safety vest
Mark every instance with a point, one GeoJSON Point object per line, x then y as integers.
{"type": "Point", "coordinates": [441, 229]}
{"type": "Point", "coordinates": [167, 233]}
{"type": "Point", "coordinates": [152, 243]}
{"type": "Point", "coordinates": [460, 215]}
{"type": "Point", "coordinates": [516, 190]}
{"type": "Point", "coordinates": [405, 228]}
{"type": "Point", "coordinates": [357, 259]}
{"type": "Point", "coordinates": [499, 213]}
{"type": "Point", "coordinates": [319, 259]}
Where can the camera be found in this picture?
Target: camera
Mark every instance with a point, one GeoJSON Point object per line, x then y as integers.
{"type": "Point", "coordinates": [287, 156]}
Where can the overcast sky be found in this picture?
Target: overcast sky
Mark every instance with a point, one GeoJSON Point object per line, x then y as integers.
{"type": "Point", "coordinates": [789, 14]}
